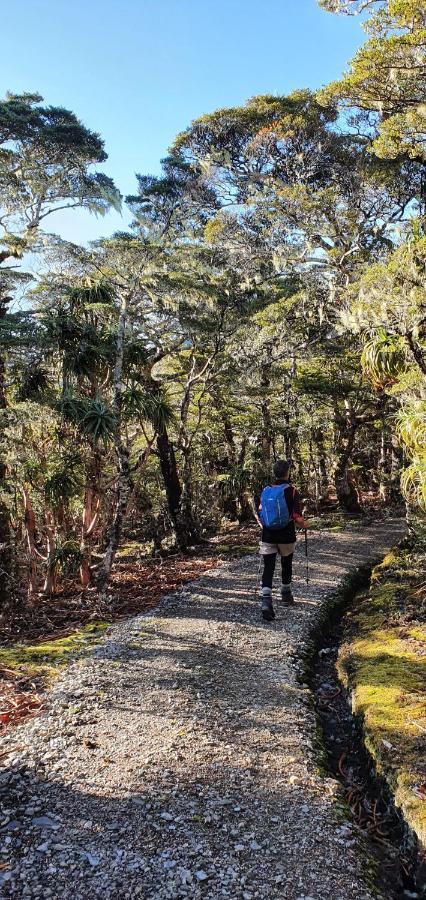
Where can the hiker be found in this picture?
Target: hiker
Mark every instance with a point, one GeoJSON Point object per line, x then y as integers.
{"type": "Point", "coordinates": [278, 510]}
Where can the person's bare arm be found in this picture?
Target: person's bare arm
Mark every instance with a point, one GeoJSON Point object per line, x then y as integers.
{"type": "Point", "coordinates": [300, 520]}
{"type": "Point", "coordinates": [297, 512]}
{"type": "Point", "coordinates": [255, 511]}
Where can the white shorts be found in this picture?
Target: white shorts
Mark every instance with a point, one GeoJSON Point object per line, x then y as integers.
{"type": "Point", "coordinates": [283, 549]}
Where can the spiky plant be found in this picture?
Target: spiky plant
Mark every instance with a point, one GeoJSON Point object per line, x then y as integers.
{"type": "Point", "coordinates": [384, 359]}
{"type": "Point", "coordinates": [98, 422]}
{"type": "Point", "coordinates": [412, 430]}
{"type": "Point", "coordinates": [93, 417]}
{"type": "Point", "coordinates": [154, 408]}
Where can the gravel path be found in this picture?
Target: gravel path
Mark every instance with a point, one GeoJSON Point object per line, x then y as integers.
{"type": "Point", "coordinates": [178, 760]}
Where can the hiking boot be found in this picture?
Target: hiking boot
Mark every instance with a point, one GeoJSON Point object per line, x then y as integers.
{"type": "Point", "coordinates": [266, 608]}
{"type": "Point", "coordinates": [286, 595]}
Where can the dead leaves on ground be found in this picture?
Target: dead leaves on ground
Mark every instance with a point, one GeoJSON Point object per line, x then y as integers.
{"type": "Point", "coordinates": [19, 698]}
{"type": "Point", "coordinates": [138, 584]}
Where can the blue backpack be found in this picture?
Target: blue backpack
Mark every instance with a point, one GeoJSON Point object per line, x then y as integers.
{"type": "Point", "coordinates": [274, 511]}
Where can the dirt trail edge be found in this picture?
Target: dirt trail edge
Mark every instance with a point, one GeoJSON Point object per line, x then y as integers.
{"type": "Point", "coordinates": [178, 760]}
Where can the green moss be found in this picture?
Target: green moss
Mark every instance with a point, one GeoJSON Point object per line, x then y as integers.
{"type": "Point", "coordinates": [133, 549]}
{"type": "Point", "coordinates": [383, 661]}
{"type": "Point", "coordinates": [236, 549]}
{"type": "Point", "coordinates": [336, 522]}
{"type": "Point", "coordinates": [42, 660]}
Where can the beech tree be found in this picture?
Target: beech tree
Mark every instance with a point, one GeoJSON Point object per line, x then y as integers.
{"type": "Point", "coordinates": [299, 199]}
{"type": "Point", "coordinates": [388, 74]}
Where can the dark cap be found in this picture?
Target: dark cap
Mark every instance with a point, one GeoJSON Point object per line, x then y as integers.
{"type": "Point", "coordinates": [281, 468]}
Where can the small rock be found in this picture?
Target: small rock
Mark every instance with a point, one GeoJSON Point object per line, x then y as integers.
{"type": "Point", "coordinates": [93, 860]}
{"type": "Point", "coordinates": [45, 822]}
{"type": "Point", "coordinates": [201, 875]}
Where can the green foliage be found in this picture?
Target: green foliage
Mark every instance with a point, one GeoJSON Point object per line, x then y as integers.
{"type": "Point", "coordinates": [63, 483]}
{"type": "Point", "coordinates": [258, 306]}
{"type": "Point", "coordinates": [98, 422]}
{"type": "Point", "coordinates": [66, 559]}
{"type": "Point", "coordinates": [93, 417]}
{"type": "Point", "coordinates": [412, 429]}
{"type": "Point", "coordinates": [154, 408]}
{"type": "Point", "coordinates": [388, 74]}
{"type": "Point", "coordinates": [388, 308]}
{"type": "Point", "coordinates": [52, 152]}
{"type": "Point", "coordinates": [34, 383]}
{"type": "Point", "coordinates": [384, 358]}
{"type": "Point", "coordinates": [91, 292]}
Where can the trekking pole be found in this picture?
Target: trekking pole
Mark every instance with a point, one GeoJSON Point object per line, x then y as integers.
{"type": "Point", "coordinates": [306, 555]}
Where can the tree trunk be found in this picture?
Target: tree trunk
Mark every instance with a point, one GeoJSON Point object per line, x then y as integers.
{"type": "Point", "coordinates": [30, 529]}
{"type": "Point", "coordinates": [417, 351]}
{"type": "Point", "coordinates": [123, 490]}
{"type": "Point", "coordinates": [266, 438]}
{"type": "Point", "coordinates": [6, 545]}
{"type": "Point", "coordinates": [382, 467]}
{"type": "Point", "coordinates": [347, 494]}
{"type": "Point", "coordinates": [318, 439]}
{"type": "Point", "coordinates": [90, 516]}
{"type": "Point", "coordinates": [169, 472]}
{"type": "Point", "coordinates": [346, 491]}
{"type": "Point", "coordinates": [50, 583]}
{"type": "Point", "coordinates": [229, 500]}
{"type": "Point", "coordinates": [245, 500]}
{"type": "Point", "coordinates": [228, 433]}
{"type": "Point", "coordinates": [180, 514]}
{"type": "Point", "coordinates": [186, 500]}
{"type": "Point", "coordinates": [123, 486]}
{"type": "Point", "coordinates": [178, 495]}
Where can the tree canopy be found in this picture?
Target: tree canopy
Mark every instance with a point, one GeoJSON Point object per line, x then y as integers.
{"type": "Point", "coordinates": [388, 74]}
{"type": "Point", "coordinates": [266, 301]}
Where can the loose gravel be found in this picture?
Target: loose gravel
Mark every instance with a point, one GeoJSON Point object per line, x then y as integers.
{"type": "Point", "coordinates": [179, 760]}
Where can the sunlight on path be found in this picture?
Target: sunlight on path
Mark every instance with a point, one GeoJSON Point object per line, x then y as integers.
{"type": "Point", "coordinates": [179, 760]}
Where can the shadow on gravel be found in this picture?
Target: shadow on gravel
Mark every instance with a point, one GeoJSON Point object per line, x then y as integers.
{"type": "Point", "coordinates": [66, 842]}
{"type": "Point", "coordinates": [214, 687]}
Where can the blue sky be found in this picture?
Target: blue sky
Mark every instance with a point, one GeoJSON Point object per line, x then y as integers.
{"type": "Point", "coordinates": [138, 71]}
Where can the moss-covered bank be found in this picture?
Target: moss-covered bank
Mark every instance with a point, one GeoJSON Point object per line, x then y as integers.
{"type": "Point", "coordinates": [41, 660]}
{"type": "Point", "coordinates": [383, 661]}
